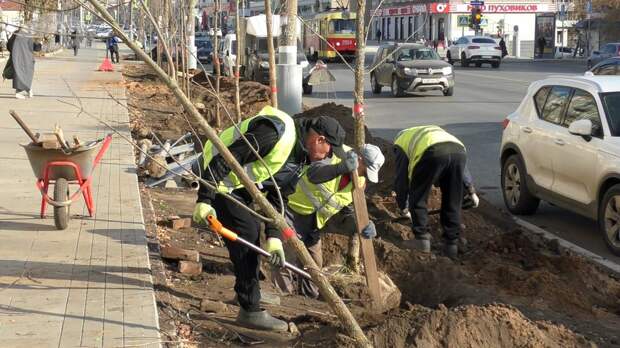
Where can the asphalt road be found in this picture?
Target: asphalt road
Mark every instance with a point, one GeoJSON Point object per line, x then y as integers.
{"type": "Point", "coordinates": [483, 97]}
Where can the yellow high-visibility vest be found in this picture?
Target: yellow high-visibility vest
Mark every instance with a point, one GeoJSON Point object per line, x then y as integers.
{"type": "Point", "coordinates": [256, 170]}
{"type": "Point", "coordinates": [325, 199]}
{"type": "Point", "coordinates": [414, 142]}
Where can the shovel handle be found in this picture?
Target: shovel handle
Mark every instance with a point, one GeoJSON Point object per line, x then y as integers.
{"type": "Point", "coordinates": [24, 126]}
{"type": "Point", "coordinates": [217, 226]}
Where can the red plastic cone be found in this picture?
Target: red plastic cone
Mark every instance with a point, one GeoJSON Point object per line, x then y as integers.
{"type": "Point", "coordinates": [106, 65]}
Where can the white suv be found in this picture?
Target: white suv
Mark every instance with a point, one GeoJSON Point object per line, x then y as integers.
{"type": "Point", "coordinates": [562, 145]}
{"type": "Point", "coordinates": [475, 49]}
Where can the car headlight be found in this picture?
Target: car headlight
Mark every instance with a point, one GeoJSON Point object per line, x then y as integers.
{"type": "Point", "coordinates": [446, 70]}
{"type": "Point", "coordinates": [264, 65]}
{"type": "Point", "coordinates": [337, 43]}
{"type": "Point", "coordinates": [410, 71]}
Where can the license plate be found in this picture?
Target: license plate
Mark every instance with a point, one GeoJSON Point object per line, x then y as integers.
{"type": "Point", "coordinates": [487, 57]}
{"type": "Point", "coordinates": [347, 42]}
{"type": "Point", "coordinates": [430, 80]}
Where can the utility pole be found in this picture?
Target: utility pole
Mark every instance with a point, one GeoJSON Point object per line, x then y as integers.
{"type": "Point", "coordinates": [191, 26]}
{"type": "Point", "coordinates": [272, 55]}
{"type": "Point", "coordinates": [130, 20]}
{"type": "Point", "coordinates": [289, 73]}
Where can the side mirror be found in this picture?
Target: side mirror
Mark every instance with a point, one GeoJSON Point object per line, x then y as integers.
{"type": "Point", "coordinates": [596, 53]}
{"type": "Point", "coordinates": [582, 128]}
{"type": "Point", "coordinates": [589, 73]}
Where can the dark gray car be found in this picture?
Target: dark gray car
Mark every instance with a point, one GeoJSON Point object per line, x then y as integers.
{"type": "Point", "coordinates": [410, 68]}
{"type": "Point", "coordinates": [608, 51]}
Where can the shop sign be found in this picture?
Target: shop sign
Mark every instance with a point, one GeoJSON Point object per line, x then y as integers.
{"type": "Point", "coordinates": [401, 10]}
{"type": "Point", "coordinates": [505, 8]}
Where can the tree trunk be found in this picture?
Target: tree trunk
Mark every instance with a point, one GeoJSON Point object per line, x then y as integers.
{"type": "Point", "coordinates": [327, 291]}
{"type": "Point", "coordinates": [272, 55]}
{"type": "Point", "coordinates": [237, 63]}
{"type": "Point", "coordinates": [216, 62]}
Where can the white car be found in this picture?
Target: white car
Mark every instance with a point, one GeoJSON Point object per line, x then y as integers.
{"type": "Point", "coordinates": [476, 50]}
{"type": "Point", "coordinates": [562, 145]}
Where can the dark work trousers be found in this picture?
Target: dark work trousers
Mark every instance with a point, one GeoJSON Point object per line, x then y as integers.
{"type": "Point", "coordinates": [441, 165]}
{"type": "Point", "coordinates": [245, 261]}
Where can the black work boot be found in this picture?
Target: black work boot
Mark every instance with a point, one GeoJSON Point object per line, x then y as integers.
{"type": "Point", "coordinates": [421, 243]}
{"type": "Point", "coordinates": [451, 249]}
{"type": "Point", "coordinates": [261, 320]}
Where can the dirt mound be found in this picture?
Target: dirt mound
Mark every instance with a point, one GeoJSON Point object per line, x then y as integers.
{"type": "Point", "coordinates": [253, 96]}
{"type": "Point", "coordinates": [155, 108]}
{"type": "Point", "coordinates": [492, 325]}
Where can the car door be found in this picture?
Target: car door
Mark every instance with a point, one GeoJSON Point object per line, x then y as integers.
{"type": "Point", "coordinates": [575, 158]}
{"type": "Point", "coordinates": [458, 48]}
{"type": "Point", "coordinates": [540, 132]}
{"type": "Point", "coordinates": [386, 67]}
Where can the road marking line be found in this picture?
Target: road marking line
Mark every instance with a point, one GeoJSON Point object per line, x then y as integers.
{"type": "Point", "coordinates": [612, 266]}
{"type": "Point", "coordinates": [461, 72]}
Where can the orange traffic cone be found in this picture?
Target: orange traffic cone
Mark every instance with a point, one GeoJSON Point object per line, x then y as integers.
{"type": "Point", "coordinates": [106, 65]}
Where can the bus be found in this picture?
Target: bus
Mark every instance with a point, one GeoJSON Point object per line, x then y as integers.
{"type": "Point", "coordinates": [337, 26]}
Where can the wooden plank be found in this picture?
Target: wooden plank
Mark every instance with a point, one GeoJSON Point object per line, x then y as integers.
{"type": "Point", "coordinates": [368, 250]}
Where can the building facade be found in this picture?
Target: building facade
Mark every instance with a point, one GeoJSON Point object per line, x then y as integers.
{"type": "Point", "coordinates": [520, 23]}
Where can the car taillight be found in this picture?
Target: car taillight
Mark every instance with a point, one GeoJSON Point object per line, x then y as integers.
{"type": "Point", "coordinates": [497, 48]}
{"type": "Point", "coordinates": [473, 47]}
{"type": "Point", "coordinates": [505, 123]}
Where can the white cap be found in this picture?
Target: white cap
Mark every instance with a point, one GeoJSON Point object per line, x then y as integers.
{"type": "Point", "coordinates": [373, 159]}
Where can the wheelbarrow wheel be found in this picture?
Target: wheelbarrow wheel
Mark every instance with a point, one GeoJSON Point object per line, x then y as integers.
{"type": "Point", "coordinates": [61, 194]}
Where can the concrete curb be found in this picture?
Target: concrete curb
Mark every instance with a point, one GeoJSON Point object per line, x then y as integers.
{"type": "Point", "coordinates": [608, 264]}
{"type": "Point", "coordinates": [53, 53]}
{"type": "Point", "coordinates": [530, 60]}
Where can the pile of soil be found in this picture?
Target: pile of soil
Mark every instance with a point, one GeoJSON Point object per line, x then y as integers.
{"type": "Point", "coordinates": [253, 96]}
{"type": "Point", "coordinates": [155, 109]}
{"type": "Point", "coordinates": [493, 325]}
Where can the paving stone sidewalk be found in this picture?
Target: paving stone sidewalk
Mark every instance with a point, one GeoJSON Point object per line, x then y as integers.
{"type": "Point", "coordinates": [89, 285]}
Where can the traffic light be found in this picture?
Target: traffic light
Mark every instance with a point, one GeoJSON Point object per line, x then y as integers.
{"type": "Point", "coordinates": [477, 19]}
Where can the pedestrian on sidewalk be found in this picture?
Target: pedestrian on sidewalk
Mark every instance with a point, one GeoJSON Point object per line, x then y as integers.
{"type": "Point", "coordinates": [75, 43]}
{"type": "Point", "coordinates": [502, 46]}
{"type": "Point", "coordinates": [379, 36]}
{"type": "Point", "coordinates": [112, 46]}
{"type": "Point", "coordinates": [427, 156]}
{"type": "Point", "coordinates": [285, 145]}
{"type": "Point", "coordinates": [20, 66]}
{"type": "Point", "coordinates": [322, 203]}
{"type": "Point", "coordinates": [541, 46]}
{"type": "Point", "coordinates": [4, 39]}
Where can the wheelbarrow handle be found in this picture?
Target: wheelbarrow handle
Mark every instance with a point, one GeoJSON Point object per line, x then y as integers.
{"type": "Point", "coordinates": [106, 144]}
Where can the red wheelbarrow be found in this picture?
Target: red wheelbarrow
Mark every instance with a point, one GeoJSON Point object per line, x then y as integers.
{"type": "Point", "coordinates": [60, 168]}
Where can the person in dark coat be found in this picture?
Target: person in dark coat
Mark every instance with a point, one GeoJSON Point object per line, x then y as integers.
{"type": "Point", "coordinates": [541, 46]}
{"type": "Point", "coordinates": [20, 66]}
{"type": "Point", "coordinates": [75, 41]}
{"type": "Point", "coordinates": [502, 46]}
{"type": "Point", "coordinates": [112, 46]}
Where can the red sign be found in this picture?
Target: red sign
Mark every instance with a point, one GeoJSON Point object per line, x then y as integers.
{"type": "Point", "coordinates": [438, 8]}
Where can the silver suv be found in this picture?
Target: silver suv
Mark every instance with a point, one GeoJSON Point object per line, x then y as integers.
{"type": "Point", "coordinates": [562, 145]}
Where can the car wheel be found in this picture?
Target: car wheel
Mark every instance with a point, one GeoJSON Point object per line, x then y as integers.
{"type": "Point", "coordinates": [449, 92]}
{"type": "Point", "coordinates": [376, 87]}
{"type": "Point", "coordinates": [609, 218]}
{"type": "Point", "coordinates": [464, 61]}
{"type": "Point", "coordinates": [478, 65]}
{"type": "Point", "coordinates": [396, 90]}
{"type": "Point", "coordinates": [517, 197]}
{"type": "Point", "coordinates": [495, 65]}
{"type": "Point", "coordinates": [450, 61]}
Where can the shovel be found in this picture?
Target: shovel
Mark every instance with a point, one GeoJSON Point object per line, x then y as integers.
{"type": "Point", "coordinates": [217, 226]}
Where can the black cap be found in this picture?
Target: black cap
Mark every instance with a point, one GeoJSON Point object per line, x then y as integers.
{"type": "Point", "coordinates": [330, 129]}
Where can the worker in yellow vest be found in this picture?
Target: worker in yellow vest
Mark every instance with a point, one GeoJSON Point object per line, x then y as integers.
{"type": "Point", "coordinates": [322, 203]}
{"type": "Point", "coordinates": [286, 146]}
{"type": "Point", "coordinates": [427, 156]}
